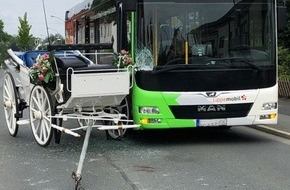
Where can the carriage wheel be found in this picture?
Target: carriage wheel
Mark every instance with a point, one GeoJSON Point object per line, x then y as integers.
{"type": "Point", "coordinates": [40, 110]}
{"type": "Point", "coordinates": [124, 109]}
{"type": "Point", "coordinates": [10, 104]}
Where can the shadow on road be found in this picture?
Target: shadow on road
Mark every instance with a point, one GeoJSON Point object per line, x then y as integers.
{"type": "Point", "coordinates": [194, 136]}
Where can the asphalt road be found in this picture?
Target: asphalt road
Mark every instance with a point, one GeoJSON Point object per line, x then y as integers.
{"type": "Point", "coordinates": [284, 106]}
{"type": "Point", "coordinates": [284, 113]}
{"type": "Point", "coordinates": [209, 159]}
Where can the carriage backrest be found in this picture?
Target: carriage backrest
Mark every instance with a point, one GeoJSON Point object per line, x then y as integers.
{"type": "Point", "coordinates": [70, 61]}
{"type": "Point", "coordinates": [29, 57]}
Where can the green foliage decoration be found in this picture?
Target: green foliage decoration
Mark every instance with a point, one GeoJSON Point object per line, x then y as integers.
{"type": "Point", "coordinates": [123, 59]}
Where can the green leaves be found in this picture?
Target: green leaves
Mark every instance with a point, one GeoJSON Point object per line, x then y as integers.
{"type": "Point", "coordinates": [51, 56]}
{"type": "Point", "coordinates": [284, 62]}
{"type": "Point", "coordinates": [48, 77]}
{"type": "Point", "coordinates": [5, 41]}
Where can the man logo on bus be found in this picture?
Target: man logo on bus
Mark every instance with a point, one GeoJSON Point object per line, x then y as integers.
{"type": "Point", "coordinates": [211, 94]}
{"type": "Point", "coordinates": [211, 108]}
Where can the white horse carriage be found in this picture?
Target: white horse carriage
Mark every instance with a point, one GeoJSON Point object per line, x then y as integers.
{"type": "Point", "coordinates": [93, 94]}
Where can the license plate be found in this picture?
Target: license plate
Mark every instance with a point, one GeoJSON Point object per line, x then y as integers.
{"type": "Point", "coordinates": [210, 122]}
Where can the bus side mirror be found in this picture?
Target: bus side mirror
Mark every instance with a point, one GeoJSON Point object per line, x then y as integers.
{"type": "Point", "coordinates": [281, 17]}
{"type": "Point", "coordinates": [129, 5]}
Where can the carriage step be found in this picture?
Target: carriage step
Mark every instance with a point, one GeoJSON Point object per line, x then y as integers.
{"type": "Point", "coordinates": [65, 130]}
{"type": "Point", "coordinates": [23, 122]}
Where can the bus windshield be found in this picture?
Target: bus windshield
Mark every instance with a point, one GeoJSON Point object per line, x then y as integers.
{"type": "Point", "coordinates": [206, 32]}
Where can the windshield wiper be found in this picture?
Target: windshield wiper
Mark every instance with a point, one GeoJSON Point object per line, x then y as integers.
{"type": "Point", "coordinates": [232, 60]}
{"type": "Point", "coordinates": [167, 68]}
{"type": "Point", "coordinates": [179, 63]}
{"type": "Point", "coordinates": [236, 60]}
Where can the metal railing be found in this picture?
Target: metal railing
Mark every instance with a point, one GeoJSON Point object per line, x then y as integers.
{"type": "Point", "coordinates": [284, 88]}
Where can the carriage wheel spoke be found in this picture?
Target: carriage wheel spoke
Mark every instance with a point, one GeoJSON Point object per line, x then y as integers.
{"type": "Point", "coordinates": [46, 111]}
{"type": "Point", "coordinates": [11, 121]}
{"type": "Point", "coordinates": [44, 101]}
{"type": "Point", "coordinates": [121, 107]}
{"type": "Point", "coordinates": [35, 101]}
{"type": "Point", "coordinates": [7, 92]}
{"type": "Point", "coordinates": [41, 131]}
{"type": "Point", "coordinates": [34, 110]}
{"type": "Point", "coordinates": [37, 122]}
{"type": "Point", "coordinates": [6, 98]}
{"type": "Point", "coordinates": [45, 127]}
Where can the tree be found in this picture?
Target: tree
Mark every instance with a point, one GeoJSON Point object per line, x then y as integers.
{"type": "Point", "coordinates": [53, 38]}
{"type": "Point", "coordinates": [284, 33]}
{"type": "Point", "coordinates": [4, 42]}
{"type": "Point", "coordinates": [25, 39]}
{"type": "Point", "coordinates": [284, 43]}
{"type": "Point", "coordinates": [4, 37]}
{"type": "Point", "coordinates": [56, 39]}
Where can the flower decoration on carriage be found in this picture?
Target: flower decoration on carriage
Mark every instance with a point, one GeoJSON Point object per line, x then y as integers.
{"type": "Point", "coordinates": [123, 59]}
{"type": "Point", "coordinates": [41, 71]}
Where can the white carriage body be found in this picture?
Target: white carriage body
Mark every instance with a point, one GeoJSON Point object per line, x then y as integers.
{"type": "Point", "coordinates": [87, 92]}
{"type": "Point", "coordinates": [97, 89]}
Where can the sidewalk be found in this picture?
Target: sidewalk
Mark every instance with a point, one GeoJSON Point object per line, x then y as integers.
{"type": "Point", "coordinates": [282, 129]}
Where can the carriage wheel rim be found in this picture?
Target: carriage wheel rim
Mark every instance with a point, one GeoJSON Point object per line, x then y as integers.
{"type": "Point", "coordinates": [9, 100]}
{"type": "Point", "coordinates": [115, 133]}
{"type": "Point", "coordinates": [40, 112]}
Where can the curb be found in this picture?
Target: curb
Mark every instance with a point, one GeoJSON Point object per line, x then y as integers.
{"type": "Point", "coordinates": [272, 131]}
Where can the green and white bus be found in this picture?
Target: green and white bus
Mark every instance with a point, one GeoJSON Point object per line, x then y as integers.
{"type": "Point", "coordinates": [199, 62]}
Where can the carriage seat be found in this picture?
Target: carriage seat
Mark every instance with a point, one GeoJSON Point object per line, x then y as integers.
{"type": "Point", "coordinates": [64, 63]}
{"type": "Point", "coordinates": [29, 57]}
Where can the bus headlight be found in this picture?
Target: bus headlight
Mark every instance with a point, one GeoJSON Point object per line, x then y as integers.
{"type": "Point", "coordinates": [149, 110]}
{"type": "Point", "coordinates": [269, 106]}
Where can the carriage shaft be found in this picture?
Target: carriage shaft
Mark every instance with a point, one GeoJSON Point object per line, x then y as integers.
{"type": "Point", "coordinates": [65, 130]}
{"type": "Point", "coordinates": [84, 149]}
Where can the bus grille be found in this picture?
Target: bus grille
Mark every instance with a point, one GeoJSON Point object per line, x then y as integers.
{"type": "Point", "coordinates": [211, 111]}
